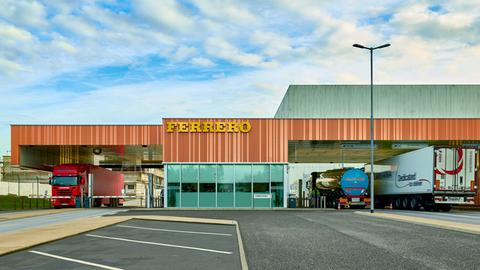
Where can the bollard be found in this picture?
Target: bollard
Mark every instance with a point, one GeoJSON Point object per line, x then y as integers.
{"type": "Point", "coordinates": [338, 206]}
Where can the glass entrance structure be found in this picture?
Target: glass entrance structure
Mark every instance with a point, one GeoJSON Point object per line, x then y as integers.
{"type": "Point", "coordinates": [243, 185]}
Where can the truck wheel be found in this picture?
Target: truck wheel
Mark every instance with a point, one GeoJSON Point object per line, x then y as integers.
{"type": "Point", "coordinates": [398, 203]}
{"type": "Point", "coordinates": [414, 204]}
{"type": "Point", "coordinates": [405, 203]}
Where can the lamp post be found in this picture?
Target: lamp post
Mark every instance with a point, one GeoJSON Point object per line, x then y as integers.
{"type": "Point", "coordinates": [372, 148]}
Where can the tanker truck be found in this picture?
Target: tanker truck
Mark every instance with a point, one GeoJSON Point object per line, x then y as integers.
{"type": "Point", "coordinates": [432, 178]}
{"type": "Point", "coordinates": [344, 187]}
{"type": "Point", "coordinates": [70, 185]}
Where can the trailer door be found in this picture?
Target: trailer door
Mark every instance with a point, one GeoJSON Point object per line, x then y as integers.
{"type": "Point", "coordinates": [455, 169]}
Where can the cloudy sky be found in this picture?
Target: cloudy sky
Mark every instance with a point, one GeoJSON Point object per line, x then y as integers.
{"type": "Point", "coordinates": [76, 62]}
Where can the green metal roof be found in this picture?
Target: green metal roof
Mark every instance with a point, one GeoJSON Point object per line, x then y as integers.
{"type": "Point", "coordinates": [390, 101]}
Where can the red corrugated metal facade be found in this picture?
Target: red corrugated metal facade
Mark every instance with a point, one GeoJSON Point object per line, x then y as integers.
{"type": "Point", "coordinates": [83, 135]}
{"type": "Point", "coordinates": [268, 139]}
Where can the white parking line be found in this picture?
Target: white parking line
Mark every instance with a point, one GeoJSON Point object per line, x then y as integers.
{"type": "Point", "coordinates": [159, 244]}
{"type": "Point", "coordinates": [177, 231]}
{"type": "Point", "coordinates": [75, 260]}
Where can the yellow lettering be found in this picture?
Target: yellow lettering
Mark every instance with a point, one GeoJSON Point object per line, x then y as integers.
{"type": "Point", "coordinates": [245, 127]}
{"type": "Point", "coordinates": [182, 126]}
{"type": "Point", "coordinates": [232, 127]}
{"type": "Point", "coordinates": [195, 127]}
{"type": "Point", "coordinates": [220, 127]}
{"type": "Point", "coordinates": [208, 127]}
{"type": "Point", "coordinates": [171, 126]}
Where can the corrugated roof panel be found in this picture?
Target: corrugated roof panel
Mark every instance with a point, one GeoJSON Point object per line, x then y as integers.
{"type": "Point", "coordinates": [390, 101]}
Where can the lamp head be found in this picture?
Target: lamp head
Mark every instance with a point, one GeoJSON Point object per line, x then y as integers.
{"type": "Point", "coordinates": [359, 46]}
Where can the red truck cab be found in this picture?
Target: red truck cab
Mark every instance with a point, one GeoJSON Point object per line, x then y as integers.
{"type": "Point", "coordinates": [68, 183]}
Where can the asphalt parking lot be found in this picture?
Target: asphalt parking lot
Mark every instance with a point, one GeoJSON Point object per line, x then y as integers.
{"type": "Point", "coordinates": [136, 244]}
{"type": "Point", "coordinates": [298, 239]}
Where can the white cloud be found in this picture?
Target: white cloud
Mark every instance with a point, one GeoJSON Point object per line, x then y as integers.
{"type": "Point", "coordinates": [24, 12]}
{"type": "Point", "coordinates": [13, 36]}
{"type": "Point", "coordinates": [220, 48]}
{"type": "Point", "coordinates": [64, 45]}
{"type": "Point", "coordinates": [165, 14]}
{"type": "Point", "coordinates": [183, 53]}
{"type": "Point", "coordinates": [230, 11]}
{"type": "Point", "coordinates": [274, 44]}
{"type": "Point", "coordinates": [76, 25]}
{"type": "Point", "coordinates": [418, 20]}
{"type": "Point", "coordinates": [9, 67]}
{"type": "Point", "coordinates": [202, 62]}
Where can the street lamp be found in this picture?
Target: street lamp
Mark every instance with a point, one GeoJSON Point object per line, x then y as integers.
{"type": "Point", "coordinates": [372, 149]}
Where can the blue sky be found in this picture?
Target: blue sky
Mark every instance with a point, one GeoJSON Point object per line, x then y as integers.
{"type": "Point", "coordinates": [111, 61]}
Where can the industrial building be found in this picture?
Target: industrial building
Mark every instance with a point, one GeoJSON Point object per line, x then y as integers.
{"type": "Point", "coordinates": [247, 162]}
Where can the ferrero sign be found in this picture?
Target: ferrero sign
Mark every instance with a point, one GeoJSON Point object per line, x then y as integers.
{"type": "Point", "coordinates": [209, 127]}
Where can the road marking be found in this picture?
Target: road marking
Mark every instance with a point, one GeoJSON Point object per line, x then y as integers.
{"type": "Point", "coordinates": [177, 231]}
{"type": "Point", "coordinates": [432, 215]}
{"type": "Point", "coordinates": [75, 260]}
{"type": "Point", "coordinates": [160, 244]}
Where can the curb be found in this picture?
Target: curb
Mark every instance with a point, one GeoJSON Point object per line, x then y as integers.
{"type": "Point", "coordinates": [441, 224]}
{"type": "Point", "coordinates": [233, 209]}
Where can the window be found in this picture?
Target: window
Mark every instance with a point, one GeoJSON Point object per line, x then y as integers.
{"type": "Point", "coordinates": [207, 186]}
{"type": "Point", "coordinates": [225, 186]}
{"type": "Point", "coordinates": [261, 185]}
{"type": "Point", "coordinates": [243, 185]}
{"type": "Point", "coordinates": [189, 185]}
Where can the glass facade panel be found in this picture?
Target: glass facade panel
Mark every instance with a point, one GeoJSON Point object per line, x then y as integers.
{"type": "Point", "coordinates": [261, 185]}
{"type": "Point", "coordinates": [277, 173]}
{"type": "Point", "coordinates": [243, 185]}
{"type": "Point", "coordinates": [173, 173]}
{"type": "Point", "coordinates": [225, 173]}
{"type": "Point", "coordinates": [189, 173]}
{"type": "Point", "coordinates": [206, 196]}
{"type": "Point", "coordinates": [225, 185]}
{"type": "Point", "coordinates": [261, 173]}
{"type": "Point", "coordinates": [207, 186]}
{"type": "Point", "coordinates": [173, 195]}
{"type": "Point", "coordinates": [208, 173]}
{"type": "Point", "coordinates": [189, 195]}
{"type": "Point", "coordinates": [243, 173]}
{"type": "Point", "coordinates": [243, 195]}
{"type": "Point", "coordinates": [225, 195]}
{"type": "Point", "coordinates": [277, 194]}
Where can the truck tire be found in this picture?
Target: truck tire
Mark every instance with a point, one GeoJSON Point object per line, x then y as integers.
{"type": "Point", "coordinates": [405, 203]}
{"type": "Point", "coordinates": [398, 203]}
{"type": "Point", "coordinates": [414, 204]}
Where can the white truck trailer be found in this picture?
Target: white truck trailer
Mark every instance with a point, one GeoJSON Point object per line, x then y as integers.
{"type": "Point", "coordinates": [434, 178]}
